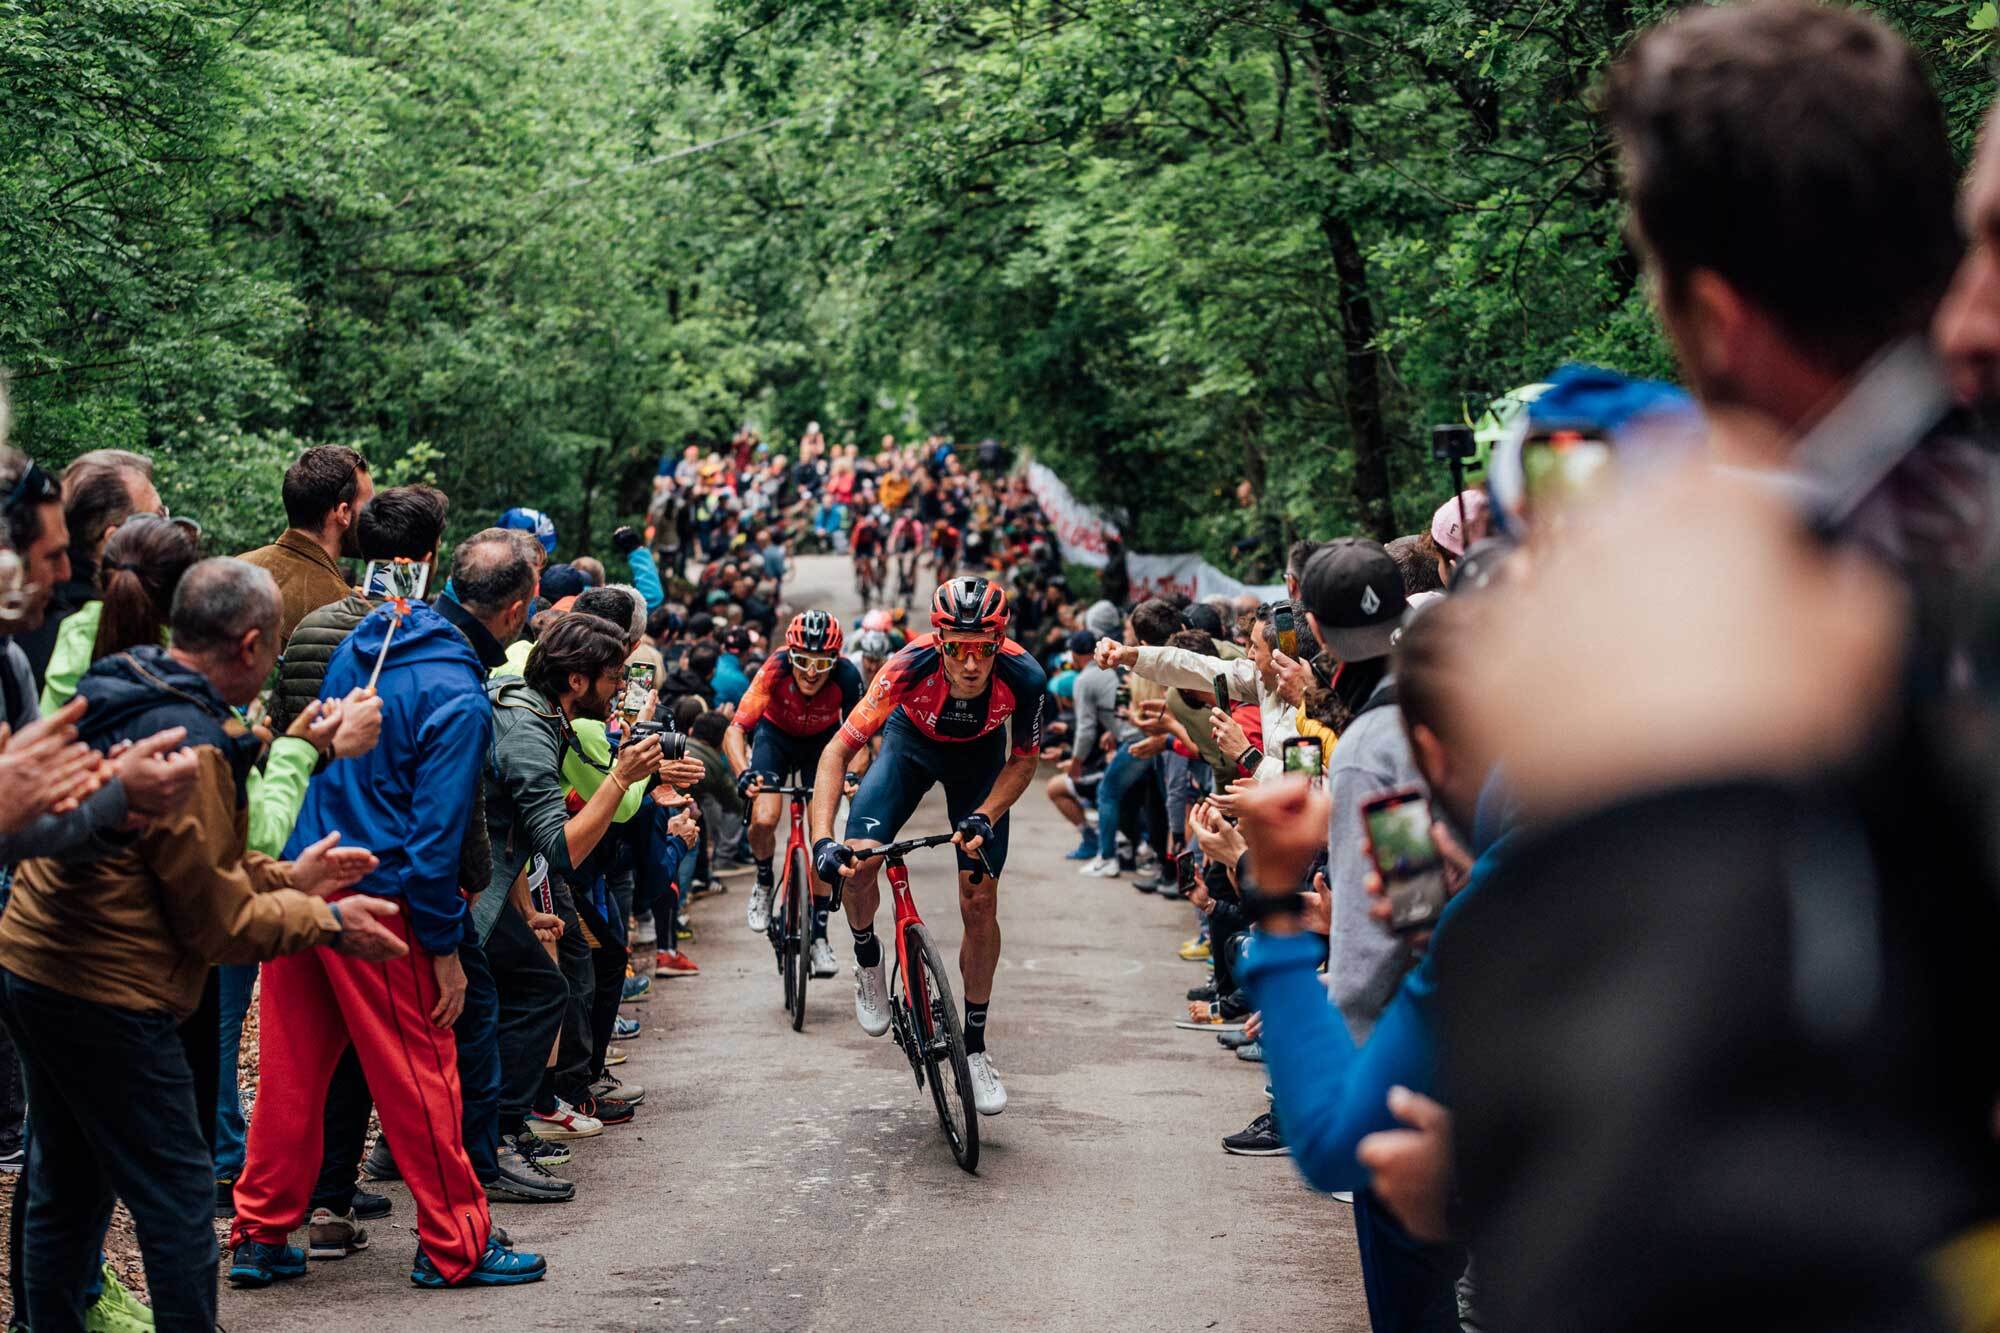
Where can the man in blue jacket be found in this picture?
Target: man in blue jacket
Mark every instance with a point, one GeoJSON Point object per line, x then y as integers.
{"type": "Point", "coordinates": [412, 796]}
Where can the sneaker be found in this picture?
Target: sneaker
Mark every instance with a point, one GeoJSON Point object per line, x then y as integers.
{"type": "Point", "coordinates": [334, 1237]}
{"type": "Point", "coordinates": [259, 1265]}
{"type": "Point", "coordinates": [871, 999]}
{"type": "Point", "coordinates": [225, 1197]}
{"type": "Point", "coordinates": [645, 932]}
{"type": "Point", "coordinates": [565, 1122]}
{"type": "Point", "coordinates": [674, 963]}
{"type": "Point", "coordinates": [758, 915]}
{"type": "Point", "coordinates": [497, 1268]}
{"type": "Point", "coordinates": [701, 888]}
{"type": "Point", "coordinates": [823, 961]}
{"type": "Point", "coordinates": [379, 1164]}
{"type": "Point", "coordinates": [1085, 850]}
{"type": "Point", "coordinates": [638, 990]}
{"type": "Point", "coordinates": [1251, 1051]}
{"type": "Point", "coordinates": [543, 1152]}
{"type": "Point", "coordinates": [624, 1029]}
{"type": "Point", "coordinates": [1195, 950]}
{"type": "Point", "coordinates": [1259, 1138]}
{"type": "Point", "coordinates": [988, 1096]}
{"type": "Point", "coordinates": [368, 1206]}
{"type": "Point", "coordinates": [14, 1158]}
{"type": "Point", "coordinates": [607, 1111]}
{"type": "Point", "coordinates": [610, 1087]}
{"type": "Point", "coordinates": [523, 1180]}
{"type": "Point", "coordinates": [683, 933]}
{"type": "Point", "coordinates": [116, 1310]}
{"type": "Point", "coordinates": [1206, 992]}
{"type": "Point", "coordinates": [1230, 1041]}
{"type": "Point", "coordinates": [1211, 1020]}
{"type": "Point", "coordinates": [1101, 868]}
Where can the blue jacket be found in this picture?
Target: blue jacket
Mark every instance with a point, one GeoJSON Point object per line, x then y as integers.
{"type": "Point", "coordinates": [729, 681]}
{"type": "Point", "coordinates": [408, 799]}
{"type": "Point", "coordinates": [1329, 1094]}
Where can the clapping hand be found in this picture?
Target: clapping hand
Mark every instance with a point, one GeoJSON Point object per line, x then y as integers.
{"type": "Point", "coordinates": [323, 868]}
{"type": "Point", "coordinates": [362, 934]}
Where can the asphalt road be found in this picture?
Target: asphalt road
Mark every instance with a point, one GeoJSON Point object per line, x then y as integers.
{"type": "Point", "coordinates": [781, 1180]}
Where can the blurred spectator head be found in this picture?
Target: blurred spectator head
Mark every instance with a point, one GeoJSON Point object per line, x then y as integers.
{"type": "Point", "coordinates": [142, 565]}
{"type": "Point", "coordinates": [402, 523]}
{"type": "Point", "coordinates": [1431, 665]}
{"type": "Point", "coordinates": [591, 568]}
{"type": "Point", "coordinates": [225, 618]}
{"type": "Point", "coordinates": [1296, 558]}
{"type": "Point", "coordinates": [103, 488]}
{"type": "Point", "coordinates": [1204, 617]}
{"type": "Point", "coordinates": [1154, 622]}
{"type": "Point", "coordinates": [1103, 620]}
{"type": "Point", "coordinates": [1081, 644]}
{"type": "Point", "coordinates": [578, 664]}
{"type": "Point", "coordinates": [325, 491]}
{"type": "Point", "coordinates": [1759, 141]}
{"type": "Point", "coordinates": [1417, 560]}
{"type": "Point", "coordinates": [33, 511]}
{"type": "Point", "coordinates": [1451, 533]}
{"type": "Point", "coordinates": [702, 657]}
{"type": "Point", "coordinates": [709, 727]}
{"type": "Point", "coordinates": [562, 580]}
{"type": "Point", "coordinates": [621, 607]}
{"type": "Point", "coordinates": [493, 577]}
{"type": "Point", "coordinates": [1354, 599]}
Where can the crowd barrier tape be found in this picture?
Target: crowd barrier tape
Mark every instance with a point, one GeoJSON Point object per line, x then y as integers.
{"type": "Point", "coordinates": [1082, 532]}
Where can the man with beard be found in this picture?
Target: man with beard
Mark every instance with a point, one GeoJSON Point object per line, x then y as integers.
{"type": "Point", "coordinates": [324, 492]}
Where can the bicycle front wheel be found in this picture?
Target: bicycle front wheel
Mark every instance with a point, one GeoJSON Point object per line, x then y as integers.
{"type": "Point", "coordinates": [942, 1044]}
{"type": "Point", "coordinates": [798, 931]}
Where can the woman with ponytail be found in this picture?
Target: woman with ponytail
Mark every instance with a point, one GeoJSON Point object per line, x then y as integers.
{"type": "Point", "coordinates": [142, 564]}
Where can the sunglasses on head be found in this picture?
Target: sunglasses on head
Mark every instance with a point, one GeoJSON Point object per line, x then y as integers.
{"type": "Point", "coordinates": [811, 665]}
{"type": "Point", "coordinates": [970, 650]}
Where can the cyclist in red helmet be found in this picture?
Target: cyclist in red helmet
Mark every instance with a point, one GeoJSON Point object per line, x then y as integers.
{"type": "Point", "coordinates": [785, 719]}
{"type": "Point", "coordinates": [940, 704]}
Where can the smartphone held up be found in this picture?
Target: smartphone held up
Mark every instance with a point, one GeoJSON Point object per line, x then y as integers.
{"type": "Point", "coordinates": [1398, 825]}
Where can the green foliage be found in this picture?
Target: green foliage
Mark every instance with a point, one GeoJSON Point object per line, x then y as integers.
{"type": "Point", "coordinates": [519, 249]}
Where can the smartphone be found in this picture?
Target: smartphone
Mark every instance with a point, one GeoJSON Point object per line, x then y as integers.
{"type": "Point", "coordinates": [1303, 754]}
{"type": "Point", "coordinates": [1287, 629]}
{"type": "Point", "coordinates": [1398, 824]}
{"type": "Point", "coordinates": [1185, 872]}
{"type": "Point", "coordinates": [1123, 697]}
{"type": "Point", "coordinates": [407, 579]}
{"type": "Point", "coordinates": [638, 684]}
{"type": "Point", "coordinates": [1222, 693]}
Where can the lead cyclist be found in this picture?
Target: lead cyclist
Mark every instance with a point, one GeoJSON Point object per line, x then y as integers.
{"type": "Point", "coordinates": [940, 704]}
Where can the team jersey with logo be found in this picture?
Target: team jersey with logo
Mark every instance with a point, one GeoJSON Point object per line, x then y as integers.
{"type": "Point", "coordinates": [906, 534]}
{"type": "Point", "coordinates": [914, 681]}
{"type": "Point", "coordinates": [774, 697]}
{"type": "Point", "coordinates": [865, 537]}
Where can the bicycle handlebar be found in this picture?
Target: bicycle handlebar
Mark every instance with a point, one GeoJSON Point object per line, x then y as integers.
{"type": "Point", "coordinates": [761, 790]}
{"type": "Point", "coordinates": [908, 845]}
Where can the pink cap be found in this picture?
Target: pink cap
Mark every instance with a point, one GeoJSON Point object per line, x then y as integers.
{"type": "Point", "coordinates": [1445, 527]}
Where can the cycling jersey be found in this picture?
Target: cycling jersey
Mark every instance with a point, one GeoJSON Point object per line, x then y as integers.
{"type": "Point", "coordinates": [864, 539]}
{"type": "Point", "coordinates": [774, 697]}
{"type": "Point", "coordinates": [945, 538]}
{"type": "Point", "coordinates": [906, 536]}
{"type": "Point", "coordinates": [913, 683]}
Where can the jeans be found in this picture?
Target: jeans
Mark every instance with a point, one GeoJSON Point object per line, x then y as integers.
{"type": "Point", "coordinates": [1177, 780]}
{"type": "Point", "coordinates": [533, 996]}
{"type": "Point", "coordinates": [1411, 1285]}
{"type": "Point", "coordinates": [238, 980]}
{"type": "Point", "coordinates": [1120, 775]}
{"type": "Point", "coordinates": [136, 1137]}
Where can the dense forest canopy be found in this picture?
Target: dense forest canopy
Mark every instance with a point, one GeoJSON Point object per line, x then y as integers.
{"type": "Point", "coordinates": [521, 248]}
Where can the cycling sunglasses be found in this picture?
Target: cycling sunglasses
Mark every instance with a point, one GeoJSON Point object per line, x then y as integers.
{"type": "Point", "coordinates": [812, 665]}
{"type": "Point", "coordinates": [970, 650]}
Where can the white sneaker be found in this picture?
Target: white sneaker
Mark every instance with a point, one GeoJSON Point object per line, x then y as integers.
{"type": "Point", "coordinates": [646, 933]}
{"type": "Point", "coordinates": [759, 916]}
{"type": "Point", "coordinates": [565, 1122]}
{"type": "Point", "coordinates": [1101, 868]}
{"type": "Point", "coordinates": [824, 963]}
{"type": "Point", "coordinates": [988, 1097]}
{"type": "Point", "coordinates": [871, 999]}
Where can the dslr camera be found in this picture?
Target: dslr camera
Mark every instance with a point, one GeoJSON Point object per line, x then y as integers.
{"type": "Point", "coordinates": [673, 745]}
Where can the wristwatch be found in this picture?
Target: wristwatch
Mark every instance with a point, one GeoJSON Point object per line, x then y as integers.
{"type": "Point", "coordinates": [1261, 906]}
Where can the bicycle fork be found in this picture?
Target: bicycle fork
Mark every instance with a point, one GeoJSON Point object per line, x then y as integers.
{"type": "Point", "coordinates": [909, 1001]}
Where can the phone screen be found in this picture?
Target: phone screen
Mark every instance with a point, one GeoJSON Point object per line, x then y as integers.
{"type": "Point", "coordinates": [1303, 755]}
{"type": "Point", "coordinates": [638, 684]}
{"type": "Point", "coordinates": [1560, 469]}
{"type": "Point", "coordinates": [1400, 844]}
{"type": "Point", "coordinates": [396, 578]}
{"type": "Point", "coordinates": [1288, 634]}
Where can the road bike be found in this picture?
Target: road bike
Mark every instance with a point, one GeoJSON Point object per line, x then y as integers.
{"type": "Point", "coordinates": [790, 930]}
{"type": "Point", "coordinates": [869, 579]}
{"type": "Point", "coordinates": [906, 578]}
{"type": "Point", "coordinates": [923, 1017]}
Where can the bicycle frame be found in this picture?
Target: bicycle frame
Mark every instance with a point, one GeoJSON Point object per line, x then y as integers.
{"type": "Point", "coordinates": [906, 913]}
{"type": "Point", "coordinates": [796, 797]}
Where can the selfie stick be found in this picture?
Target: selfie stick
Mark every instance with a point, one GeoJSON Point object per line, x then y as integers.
{"type": "Point", "coordinates": [395, 622]}
{"type": "Point", "coordinates": [1458, 489]}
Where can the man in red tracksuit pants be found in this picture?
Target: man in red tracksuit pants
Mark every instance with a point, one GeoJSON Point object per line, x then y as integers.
{"type": "Point", "coordinates": [410, 798]}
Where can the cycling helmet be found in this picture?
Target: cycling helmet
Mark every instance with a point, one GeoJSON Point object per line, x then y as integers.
{"type": "Point", "coordinates": [813, 632]}
{"type": "Point", "coordinates": [874, 643]}
{"type": "Point", "coordinates": [877, 619]}
{"type": "Point", "coordinates": [532, 521]}
{"type": "Point", "coordinates": [970, 605]}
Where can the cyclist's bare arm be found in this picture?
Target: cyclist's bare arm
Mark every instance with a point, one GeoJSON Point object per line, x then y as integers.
{"type": "Point", "coordinates": [827, 785]}
{"type": "Point", "coordinates": [736, 750]}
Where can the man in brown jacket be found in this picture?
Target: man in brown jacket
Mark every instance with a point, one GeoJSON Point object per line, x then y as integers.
{"type": "Point", "coordinates": [101, 961]}
{"type": "Point", "coordinates": [324, 492]}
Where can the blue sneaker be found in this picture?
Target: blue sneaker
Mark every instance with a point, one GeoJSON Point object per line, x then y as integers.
{"type": "Point", "coordinates": [637, 990]}
{"type": "Point", "coordinates": [1085, 850]}
{"type": "Point", "coordinates": [497, 1268]}
{"type": "Point", "coordinates": [625, 1028]}
{"type": "Point", "coordinates": [259, 1265]}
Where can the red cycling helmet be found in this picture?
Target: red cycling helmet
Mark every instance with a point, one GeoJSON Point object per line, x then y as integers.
{"type": "Point", "coordinates": [813, 632]}
{"type": "Point", "coordinates": [969, 605]}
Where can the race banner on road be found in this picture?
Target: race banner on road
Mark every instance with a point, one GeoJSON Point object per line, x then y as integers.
{"type": "Point", "coordinates": [1081, 532]}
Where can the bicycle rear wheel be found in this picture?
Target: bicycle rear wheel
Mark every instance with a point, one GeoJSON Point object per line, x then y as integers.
{"type": "Point", "coordinates": [942, 1043]}
{"type": "Point", "coordinates": [798, 934]}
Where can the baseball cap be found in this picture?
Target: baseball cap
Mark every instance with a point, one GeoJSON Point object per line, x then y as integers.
{"type": "Point", "coordinates": [1082, 641]}
{"type": "Point", "coordinates": [1355, 592]}
{"type": "Point", "coordinates": [1445, 529]}
{"type": "Point", "coordinates": [1103, 619]}
{"type": "Point", "coordinates": [564, 580]}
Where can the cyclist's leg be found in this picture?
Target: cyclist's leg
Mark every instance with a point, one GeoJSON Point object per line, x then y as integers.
{"type": "Point", "coordinates": [807, 751]}
{"type": "Point", "coordinates": [978, 902]}
{"type": "Point", "coordinates": [886, 799]}
{"type": "Point", "coordinates": [770, 752]}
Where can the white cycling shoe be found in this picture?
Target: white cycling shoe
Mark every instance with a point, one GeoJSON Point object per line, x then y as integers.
{"type": "Point", "coordinates": [758, 918]}
{"type": "Point", "coordinates": [871, 998]}
{"type": "Point", "coordinates": [988, 1096]}
{"type": "Point", "coordinates": [824, 964]}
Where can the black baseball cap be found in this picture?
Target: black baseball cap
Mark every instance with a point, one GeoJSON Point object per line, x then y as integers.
{"type": "Point", "coordinates": [1355, 592]}
{"type": "Point", "coordinates": [1082, 642]}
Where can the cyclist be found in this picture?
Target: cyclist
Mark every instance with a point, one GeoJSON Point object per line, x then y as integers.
{"type": "Point", "coordinates": [939, 704]}
{"type": "Point", "coordinates": [865, 541]}
{"type": "Point", "coordinates": [906, 540]}
{"type": "Point", "coordinates": [871, 651]}
{"type": "Point", "coordinates": [945, 538]}
{"type": "Point", "coordinates": [784, 721]}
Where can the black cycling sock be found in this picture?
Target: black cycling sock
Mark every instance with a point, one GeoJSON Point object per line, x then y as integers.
{"type": "Point", "coordinates": [823, 908]}
{"type": "Point", "coordinates": [867, 949]}
{"type": "Point", "coordinates": [975, 1027]}
{"type": "Point", "coordinates": [764, 873]}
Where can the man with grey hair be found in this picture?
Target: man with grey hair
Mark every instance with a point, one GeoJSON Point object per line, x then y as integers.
{"type": "Point", "coordinates": [101, 961]}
